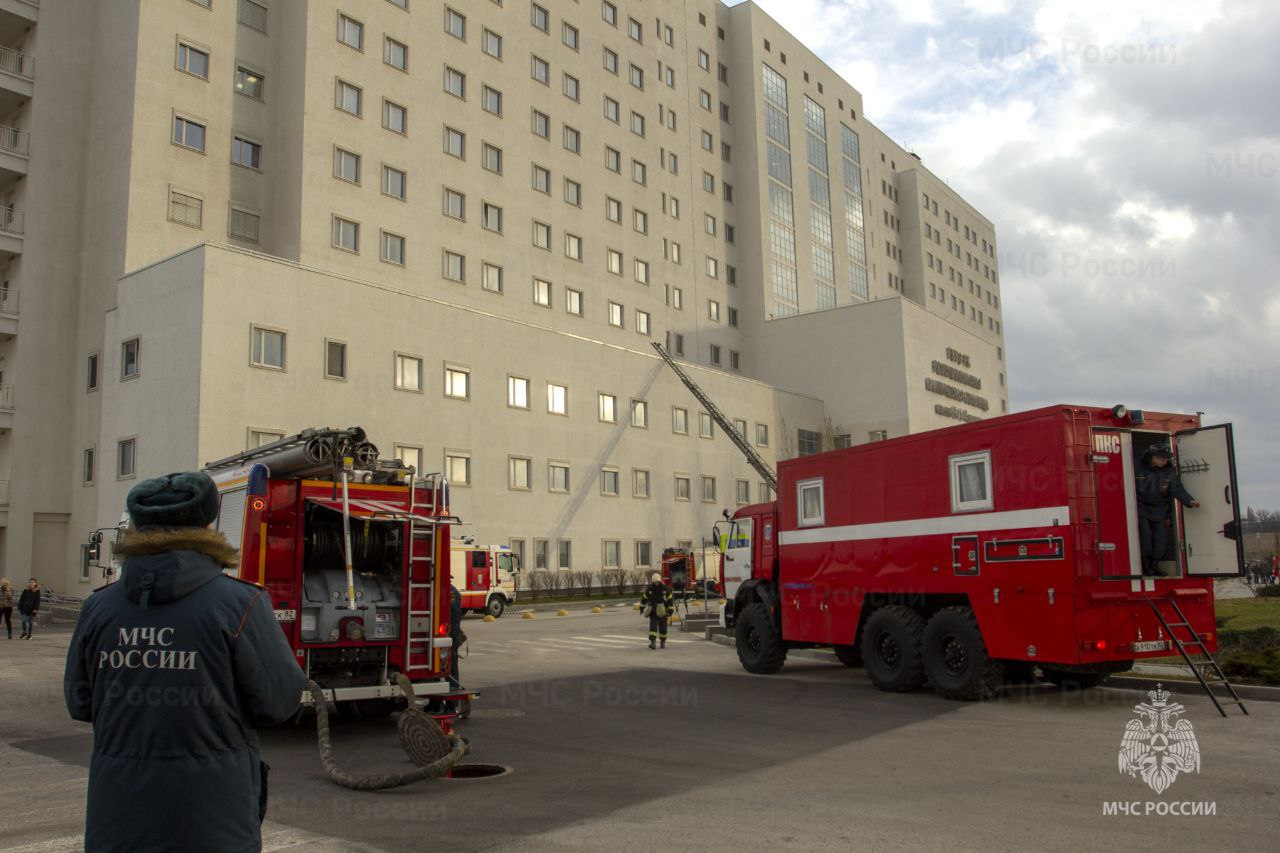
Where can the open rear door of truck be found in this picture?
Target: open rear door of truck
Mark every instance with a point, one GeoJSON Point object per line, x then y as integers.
{"type": "Point", "coordinates": [1211, 534]}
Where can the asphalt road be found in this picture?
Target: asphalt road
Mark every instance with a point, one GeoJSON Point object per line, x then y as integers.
{"type": "Point", "coordinates": [613, 746]}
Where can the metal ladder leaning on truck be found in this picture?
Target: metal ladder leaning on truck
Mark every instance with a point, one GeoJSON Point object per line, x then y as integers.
{"type": "Point", "coordinates": [963, 557]}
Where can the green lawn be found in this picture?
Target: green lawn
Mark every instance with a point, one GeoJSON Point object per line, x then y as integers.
{"type": "Point", "coordinates": [1243, 614]}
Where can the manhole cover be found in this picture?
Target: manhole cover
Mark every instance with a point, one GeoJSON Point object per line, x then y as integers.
{"type": "Point", "coordinates": [496, 713]}
{"type": "Point", "coordinates": [477, 771]}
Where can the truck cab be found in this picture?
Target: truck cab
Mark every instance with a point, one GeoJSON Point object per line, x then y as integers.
{"type": "Point", "coordinates": [484, 575]}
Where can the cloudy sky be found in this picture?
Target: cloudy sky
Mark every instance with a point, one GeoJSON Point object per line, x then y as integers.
{"type": "Point", "coordinates": [1128, 152]}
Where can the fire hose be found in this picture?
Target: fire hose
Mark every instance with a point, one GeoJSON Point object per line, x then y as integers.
{"type": "Point", "coordinates": [423, 741]}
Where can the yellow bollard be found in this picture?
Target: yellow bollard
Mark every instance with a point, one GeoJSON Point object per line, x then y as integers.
{"type": "Point", "coordinates": [597, 610]}
{"type": "Point", "coordinates": [528, 614]}
{"type": "Point", "coordinates": [721, 602]}
{"type": "Point", "coordinates": [562, 612]}
{"type": "Point", "coordinates": [675, 620]}
{"type": "Point", "coordinates": [489, 617]}
{"type": "Point", "coordinates": [635, 607]}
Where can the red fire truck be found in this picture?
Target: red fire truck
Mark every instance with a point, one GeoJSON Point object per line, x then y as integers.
{"type": "Point", "coordinates": [953, 556]}
{"type": "Point", "coordinates": [355, 557]}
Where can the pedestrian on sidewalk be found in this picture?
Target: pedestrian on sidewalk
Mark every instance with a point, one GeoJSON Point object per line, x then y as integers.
{"type": "Point", "coordinates": [28, 607]}
{"type": "Point", "coordinates": [6, 606]}
{"type": "Point", "coordinates": [175, 665]}
{"type": "Point", "coordinates": [658, 604]}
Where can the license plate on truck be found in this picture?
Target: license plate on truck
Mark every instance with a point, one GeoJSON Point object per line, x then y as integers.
{"type": "Point", "coordinates": [1151, 646]}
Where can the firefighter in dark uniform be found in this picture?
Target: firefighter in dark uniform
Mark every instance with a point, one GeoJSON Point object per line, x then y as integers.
{"type": "Point", "coordinates": [1157, 482]}
{"type": "Point", "coordinates": [175, 665]}
{"type": "Point", "coordinates": [658, 604]}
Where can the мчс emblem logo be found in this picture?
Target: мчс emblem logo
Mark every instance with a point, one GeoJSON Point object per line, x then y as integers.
{"type": "Point", "coordinates": [1157, 745]}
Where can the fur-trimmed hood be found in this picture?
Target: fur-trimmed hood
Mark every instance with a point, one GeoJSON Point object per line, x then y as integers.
{"type": "Point", "coordinates": [165, 565]}
{"type": "Point", "coordinates": [202, 540]}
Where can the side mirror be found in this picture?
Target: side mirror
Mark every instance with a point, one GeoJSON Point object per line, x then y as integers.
{"type": "Point", "coordinates": [720, 534]}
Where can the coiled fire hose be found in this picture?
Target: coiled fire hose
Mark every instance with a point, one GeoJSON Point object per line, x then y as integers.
{"type": "Point", "coordinates": [423, 740]}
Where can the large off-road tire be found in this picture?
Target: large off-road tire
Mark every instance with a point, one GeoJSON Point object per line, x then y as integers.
{"type": "Point", "coordinates": [1067, 680]}
{"type": "Point", "coordinates": [956, 659]}
{"type": "Point", "coordinates": [848, 655]}
{"type": "Point", "coordinates": [756, 638]}
{"type": "Point", "coordinates": [891, 649]}
{"type": "Point", "coordinates": [497, 606]}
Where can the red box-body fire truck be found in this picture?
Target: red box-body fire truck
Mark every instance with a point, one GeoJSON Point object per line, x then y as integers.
{"type": "Point", "coordinates": [355, 559]}
{"type": "Point", "coordinates": [957, 556]}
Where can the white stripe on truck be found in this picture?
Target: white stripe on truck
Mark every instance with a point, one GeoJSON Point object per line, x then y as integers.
{"type": "Point", "coordinates": [1053, 516]}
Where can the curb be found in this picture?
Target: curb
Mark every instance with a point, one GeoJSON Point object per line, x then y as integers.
{"type": "Point", "coordinates": [1255, 692]}
{"type": "Point", "coordinates": [608, 604]}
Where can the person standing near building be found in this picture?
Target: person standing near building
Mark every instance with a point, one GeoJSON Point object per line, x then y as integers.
{"type": "Point", "coordinates": [657, 603]}
{"type": "Point", "coordinates": [1157, 481]}
{"type": "Point", "coordinates": [6, 606]}
{"type": "Point", "coordinates": [28, 607]}
{"type": "Point", "coordinates": [175, 665]}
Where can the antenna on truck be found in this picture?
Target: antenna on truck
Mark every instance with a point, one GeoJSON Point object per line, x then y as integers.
{"type": "Point", "coordinates": [740, 441]}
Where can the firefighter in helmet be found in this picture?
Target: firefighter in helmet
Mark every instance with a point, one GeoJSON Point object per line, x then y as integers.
{"type": "Point", "coordinates": [658, 604]}
{"type": "Point", "coordinates": [1157, 482]}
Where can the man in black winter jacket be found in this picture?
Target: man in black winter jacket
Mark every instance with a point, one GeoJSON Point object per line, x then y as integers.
{"type": "Point", "coordinates": [175, 664]}
{"type": "Point", "coordinates": [1157, 481]}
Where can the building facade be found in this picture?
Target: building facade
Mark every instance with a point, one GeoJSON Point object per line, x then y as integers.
{"type": "Point", "coordinates": [459, 225]}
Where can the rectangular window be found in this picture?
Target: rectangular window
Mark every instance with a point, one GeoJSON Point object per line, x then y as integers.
{"type": "Point", "coordinates": [350, 32]}
{"type": "Point", "coordinates": [455, 143]}
{"type": "Point", "coordinates": [350, 98]}
{"type": "Point", "coordinates": [637, 123]}
{"type": "Point", "coordinates": [408, 373]}
{"type": "Point", "coordinates": [393, 182]}
{"type": "Point", "coordinates": [573, 247]}
{"type": "Point", "coordinates": [542, 292]}
{"type": "Point", "coordinates": [557, 399]}
{"type": "Point", "coordinates": [395, 54]}
{"type": "Point", "coordinates": [188, 133]}
{"type": "Point", "coordinates": [89, 468]}
{"type": "Point", "coordinates": [193, 61]}
{"type": "Point", "coordinates": [680, 420]}
{"type": "Point", "coordinates": [706, 426]}
{"type": "Point", "coordinates": [491, 216]}
{"type": "Point", "coordinates": [571, 87]}
{"type": "Point", "coordinates": [642, 322]}
{"type": "Point", "coordinates": [91, 371]}
{"type": "Point", "coordinates": [743, 489]}
{"type": "Point", "coordinates": [635, 30]}
{"type": "Point", "coordinates": [637, 76]}
{"type": "Point", "coordinates": [491, 158]}
{"type": "Point", "coordinates": [639, 483]}
{"type": "Point", "coordinates": [541, 179]}
{"type": "Point", "coordinates": [409, 456]}
{"type": "Point", "coordinates": [185, 209]}
{"type": "Point", "coordinates": [613, 159]}
{"type": "Point", "coordinates": [608, 408]}
{"type": "Point", "coordinates": [611, 557]}
{"type": "Point", "coordinates": [569, 35]}
{"type": "Point", "coordinates": [492, 279]}
{"type": "Point", "coordinates": [457, 383]}
{"type": "Point", "coordinates": [609, 482]}
{"type": "Point", "coordinates": [540, 550]}
{"type": "Point", "coordinates": [517, 392]}
{"type": "Point", "coordinates": [713, 310]}
{"type": "Point", "coordinates": [642, 271]}
{"type": "Point", "coordinates": [335, 360]}
{"type": "Point", "coordinates": [971, 482]}
{"type": "Point", "coordinates": [809, 502]}
{"type": "Point", "coordinates": [491, 100]}
{"type": "Point", "coordinates": [564, 552]}
{"type": "Point", "coordinates": [541, 125]}
{"type": "Point", "coordinates": [455, 266]}
{"type": "Point", "coordinates": [346, 165]}
{"type": "Point", "coordinates": [682, 488]}
{"type": "Point", "coordinates": [572, 192]}
{"type": "Point", "coordinates": [541, 20]}
{"type": "Point", "coordinates": [491, 43]}
{"type": "Point", "coordinates": [640, 414]}
{"type": "Point", "coordinates": [244, 225]}
{"type": "Point", "coordinates": [519, 473]}
{"type": "Point", "coordinates": [346, 234]}
{"type": "Point", "coordinates": [613, 261]}
{"type": "Point", "coordinates": [610, 61]}
{"type": "Point", "coordinates": [808, 442]}
{"type": "Point", "coordinates": [268, 348]}
{"type": "Point", "coordinates": [762, 435]}
{"type": "Point", "coordinates": [457, 467]}
{"type": "Point", "coordinates": [572, 140]}
{"type": "Point", "coordinates": [455, 82]}
{"type": "Point", "coordinates": [541, 235]}
{"type": "Point", "coordinates": [715, 354]}
{"type": "Point", "coordinates": [252, 14]}
{"type": "Point", "coordinates": [558, 477]}
{"type": "Point", "coordinates": [617, 315]}
{"type": "Point", "coordinates": [573, 301]}
{"type": "Point", "coordinates": [127, 458]}
{"type": "Point", "coordinates": [130, 358]}
{"type": "Point", "coordinates": [644, 554]}
{"type": "Point", "coordinates": [612, 109]}
{"type": "Point", "coordinates": [392, 248]}
{"type": "Point", "coordinates": [455, 24]}
{"type": "Point", "coordinates": [249, 82]}
{"type": "Point", "coordinates": [708, 489]}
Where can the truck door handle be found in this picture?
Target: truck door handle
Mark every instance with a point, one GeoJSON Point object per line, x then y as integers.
{"type": "Point", "coordinates": [728, 558]}
{"type": "Point", "coordinates": [1226, 493]}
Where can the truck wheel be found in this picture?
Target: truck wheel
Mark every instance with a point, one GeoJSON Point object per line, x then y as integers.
{"type": "Point", "coordinates": [1067, 680]}
{"type": "Point", "coordinates": [497, 604]}
{"type": "Point", "coordinates": [848, 655]}
{"type": "Point", "coordinates": [756, 638]}
{"type": "Point", "coordinates": [956, 659]}
{"type": "Point", "coordinates": [891, 649]}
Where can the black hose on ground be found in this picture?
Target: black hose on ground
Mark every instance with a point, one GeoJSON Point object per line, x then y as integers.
{"type": "Point", "coordinates": [420, 735]}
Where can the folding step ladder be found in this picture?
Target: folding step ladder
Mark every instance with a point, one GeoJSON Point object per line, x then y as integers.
{"type": "Point", "coordinates": [1206, 665]}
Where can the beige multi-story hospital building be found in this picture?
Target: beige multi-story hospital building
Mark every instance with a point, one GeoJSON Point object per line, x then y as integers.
{"type": "Point", "coordinates": [459, 225]}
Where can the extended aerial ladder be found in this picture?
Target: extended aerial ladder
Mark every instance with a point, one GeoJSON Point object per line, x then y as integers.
{"type": "Point", "coordinates": [740, 441]}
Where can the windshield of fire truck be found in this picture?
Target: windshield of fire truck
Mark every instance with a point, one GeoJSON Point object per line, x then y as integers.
{"type": "Point", "coordinates": [505, 563]}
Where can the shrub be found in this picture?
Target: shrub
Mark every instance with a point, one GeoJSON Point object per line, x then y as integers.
{"type": "Point", "coordinates": [614, 579]}
{"type": "Point", "coordinates": [1269, 591]}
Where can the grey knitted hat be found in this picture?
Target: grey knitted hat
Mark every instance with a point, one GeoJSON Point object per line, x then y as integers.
{"type": "Point", "coordinates": [185, 499]}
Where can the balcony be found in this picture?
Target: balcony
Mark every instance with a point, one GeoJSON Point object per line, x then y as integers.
{"type": "Point", "coordinates": [16, 17]}
{"type": "Point", "coordinates": [11, 225]}
{"type": "Point", "coordinates": [15, 148]}
{"type": "Point", "coordinates": [17, 78]}
{"type": "Point", "coordinates": [8, 313]}
{"type": "Point", "coordinates": [6, 407]}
